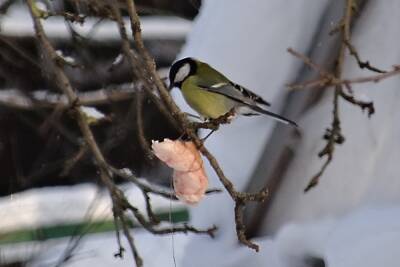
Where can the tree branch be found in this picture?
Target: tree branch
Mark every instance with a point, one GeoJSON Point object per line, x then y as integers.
{"type": "Point", "coordinates": [333, 134]}
{"type": "Point", "coordinates": [150, 69]}
{"type": "Point", "coordinates": [350, 6]}
{"type": "Point", "coordinates": [120, 204]}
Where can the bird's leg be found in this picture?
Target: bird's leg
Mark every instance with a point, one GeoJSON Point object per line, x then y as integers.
{"type": "Point", "coordinates": [224, 119]}
{"type": "Point", "coordinates": [206, 124]}
{"type": "Point", "coordinates": [208, 135]}
{"type": "Point", "coordinates": [213, 124]}
{"type": "Point", "coordinates": [193, 116]}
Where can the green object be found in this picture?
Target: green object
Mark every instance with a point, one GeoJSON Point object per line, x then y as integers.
{"type": "Point", "coordinates": [75, 229]}
{"type": "Point", "coordinates": [213, 95]}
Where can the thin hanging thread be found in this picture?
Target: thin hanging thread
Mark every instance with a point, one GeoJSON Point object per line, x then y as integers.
{"type": "Point", "coordinates": [172, 225]}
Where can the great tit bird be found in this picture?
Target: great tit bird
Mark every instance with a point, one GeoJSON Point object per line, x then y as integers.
{"type": "Point", "coordinates": [212, 95]}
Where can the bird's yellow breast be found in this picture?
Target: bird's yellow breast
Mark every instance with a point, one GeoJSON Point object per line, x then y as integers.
{"type": "Point", "coordinates": [207, 104]}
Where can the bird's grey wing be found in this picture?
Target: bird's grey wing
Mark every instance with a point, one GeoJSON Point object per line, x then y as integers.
{"type": "Point", "coordinates": [246, 92]}
{"type": "Point", "coordinates": [228, 90]}
{"type": "Point", "coordinates": [236, 92]}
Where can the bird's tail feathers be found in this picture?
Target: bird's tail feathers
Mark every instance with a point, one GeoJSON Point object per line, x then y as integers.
{"type": "Point", "coordinates": [274, 115]}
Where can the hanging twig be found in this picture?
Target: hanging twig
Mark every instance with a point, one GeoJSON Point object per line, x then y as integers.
{"type": "Point", "coordinates": [140, 126]}
{"type": "Point", "coordinates": [351, 5]}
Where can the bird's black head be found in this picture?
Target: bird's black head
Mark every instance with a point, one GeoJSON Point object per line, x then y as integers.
{"type": "Point", "coordinates": [180, 70]}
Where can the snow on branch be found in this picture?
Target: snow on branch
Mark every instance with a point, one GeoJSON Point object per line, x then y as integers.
{"type": "Point", "coordinates": [14, 98]}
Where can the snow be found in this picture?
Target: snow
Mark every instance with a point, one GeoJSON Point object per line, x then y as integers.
{"type": "Point", "coordinates": [73, 204]}
{"type": "Point", "coordinates": [98, 250]}
{"type": "Point", "coordinates": [68, 204]}
{"type": "Point", "coordinates": [368, 237]}
{"type": "Point", "coordinates": [152, 27]}
{"type": "Point", "coordinates": [41, 6]}
{"type": "Point", "coordinates": [126, 171]}
{"type": "Point", "coordinates": [92, 113]}
{"type": "Point", "coordinates": [118, 59]}
{"type": "Point", "coordinates": [14, 97]}
{"type": "Point", "coordinates": [67, 59]}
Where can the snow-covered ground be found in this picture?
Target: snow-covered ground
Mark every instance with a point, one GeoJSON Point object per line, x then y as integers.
{"type": "Point", "coordinates": [369, 237]}
{"type": "Point", "coordinates": [66, 205]}
{"type": "Point", "coordinates": [98, 250]}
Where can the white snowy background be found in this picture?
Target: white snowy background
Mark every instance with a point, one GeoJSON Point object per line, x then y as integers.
{"type": "Point", "coordinates": [352, 218]}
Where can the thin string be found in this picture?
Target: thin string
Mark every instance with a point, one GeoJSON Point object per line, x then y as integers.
{"type": "Point", "coordinates": [172, 226]}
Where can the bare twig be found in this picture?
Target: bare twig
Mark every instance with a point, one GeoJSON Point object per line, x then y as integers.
{"type": "Point", "coordinates": [124, 224]}
{"type": "Point", "coordinates": [364, 105]}
{"type": "Point", "coordinates": [345, 28]}
{"type": "Point", "coordinates": [141, 184]}
{"type": "Point", "coordinates": [333, 134]}
{"type": "Point", "coordinates": [152, 217]}
{"type": "Point", "coordinates": [136, 61]}
{"type": "Point", "coordinates": [70, 163]}
{"type": "Point", "coordinates": [140, 127]}
{"type": "Point", "coordinates": [20, 51]}
{"type": "Point", "coordinates": [375, 78]}
{"type": "Point", "coordinates": [185, 228]}
{"type": "Point", "coordinates": [362, 64]}
{"type": "Point", "coordinates": [75, 18]}
{"type": "Point", "coordinates": [121, 249]}
{"type": "Point", "coordinates": [327, 79]}
{"type": "Point", "coordinates": [324, 81]}
{"type": "Point", "coordinates": [314, 83]}
{"type": "Point", "coordinates": [144, 186]}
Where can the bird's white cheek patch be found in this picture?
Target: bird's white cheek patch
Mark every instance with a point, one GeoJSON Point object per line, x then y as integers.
{"type": "Point", "coordinates": [182, 73]}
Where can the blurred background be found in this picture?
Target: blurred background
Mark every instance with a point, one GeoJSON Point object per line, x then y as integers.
{"type": "Point", "coordinates": [54, 210]}
{"type": "Point", "coordinates": [39, 151]}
